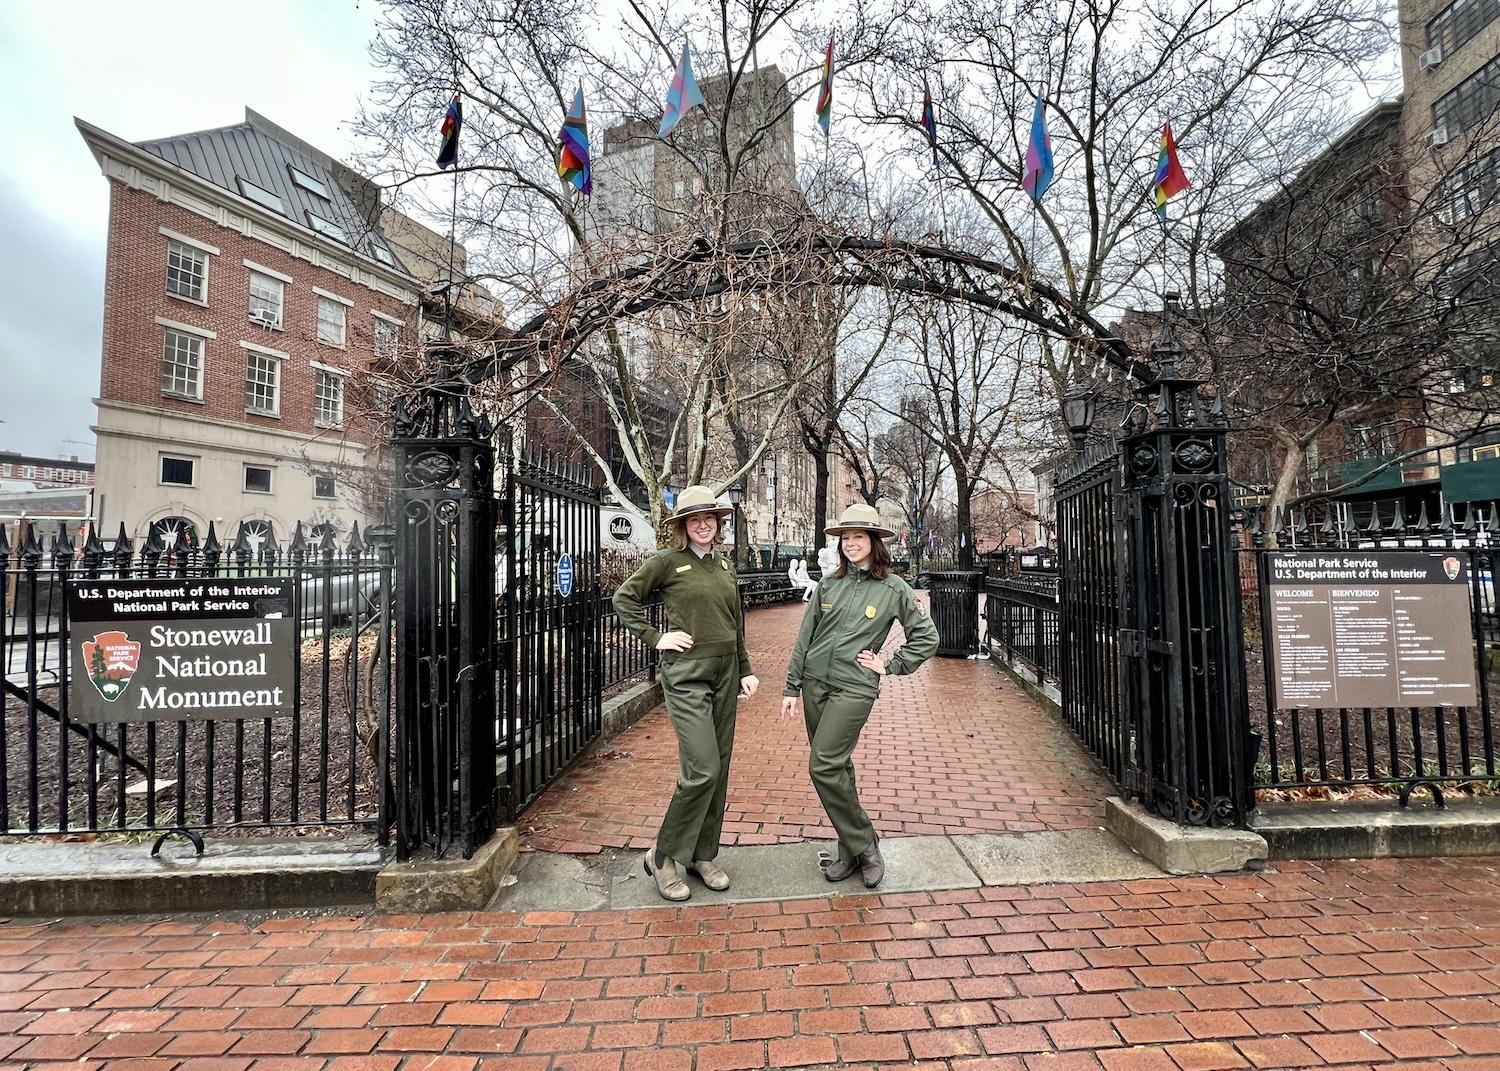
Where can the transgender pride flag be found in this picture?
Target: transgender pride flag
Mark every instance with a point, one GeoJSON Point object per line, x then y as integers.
{"type": "Point", "coordinates": [1037, 175]}
{"type": "Point", "coordinates": [682, 96]}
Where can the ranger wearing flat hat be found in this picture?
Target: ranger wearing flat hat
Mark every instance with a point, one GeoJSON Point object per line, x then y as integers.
{"type": "Point", "coordinates": [705, 670]}
{"type": "Point", "coordinates": [836, 668]}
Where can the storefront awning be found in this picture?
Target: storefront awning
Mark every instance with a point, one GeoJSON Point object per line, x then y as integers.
{"type": "Point", "coordinates": [1472, 481]}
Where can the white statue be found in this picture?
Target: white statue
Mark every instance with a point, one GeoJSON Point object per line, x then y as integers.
{"type": "Point", "coordinates": [828, 557]}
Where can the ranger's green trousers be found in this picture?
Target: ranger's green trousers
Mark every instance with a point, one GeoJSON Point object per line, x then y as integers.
{"type": "Point", "coordinates": [701, 694]}
{"type": "Point", "coordinates": [834, 720]}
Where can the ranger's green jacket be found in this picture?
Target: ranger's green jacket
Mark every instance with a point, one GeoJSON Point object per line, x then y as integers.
{"type": "Point", "coordinates": [851, 614]}
{"type": "Point", "coordinates": [701, 597]}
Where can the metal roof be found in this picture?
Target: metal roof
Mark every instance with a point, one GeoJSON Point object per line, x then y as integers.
{"type": "Point", "coordinates": [259, 152]}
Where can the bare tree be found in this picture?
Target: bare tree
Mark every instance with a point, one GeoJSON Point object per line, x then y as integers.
{"type": "Point", "coordinates": [1358, 332]}
{"type": "Point", "coordinates": [1247, 86]}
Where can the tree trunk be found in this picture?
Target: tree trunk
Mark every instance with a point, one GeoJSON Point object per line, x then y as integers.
{"type": "Point", "coordinates": [963, 517]}
{"type": "Point", "coordinates": [820, 494]}
{"type": "Point", "coordinates": [1291, 464]}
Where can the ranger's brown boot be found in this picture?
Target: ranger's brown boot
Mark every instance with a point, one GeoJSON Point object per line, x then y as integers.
{"type": "Point", "coordinates": [871, 865]}
{"type": "Point", "coordinates": [839, 869]}
{"type": "Point", "coordinates": [668, 881]}
{"type": "Point", "coordinates": [710, 873]}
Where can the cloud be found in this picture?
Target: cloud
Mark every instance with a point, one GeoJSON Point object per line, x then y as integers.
{"type": "Point", "coordinates": [51, 316]}
{"type": "Point", "coordinates": [146, 69]}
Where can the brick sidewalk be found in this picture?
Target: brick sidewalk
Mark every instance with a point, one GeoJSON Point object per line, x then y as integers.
{"type": "Point", "coordinates": [1349, 965]}
{"type": "Point", "coordinates": [953, 748]}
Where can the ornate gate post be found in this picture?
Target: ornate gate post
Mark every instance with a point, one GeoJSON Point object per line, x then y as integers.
{"type": "Point", "coordinates": [1181, 629]}
{"type": "Point", "coordinates": [444, 516]}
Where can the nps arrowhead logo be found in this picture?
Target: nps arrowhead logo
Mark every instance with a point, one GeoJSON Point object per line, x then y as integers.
{"type": "Point", "coordinates": [111, 659]}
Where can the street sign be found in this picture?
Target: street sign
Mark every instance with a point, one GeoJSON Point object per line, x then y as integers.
{"type": "Point", "coordinates": [565, 575]}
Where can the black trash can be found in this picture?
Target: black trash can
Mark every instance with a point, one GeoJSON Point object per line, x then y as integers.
{"type": "Point", "coordinates": [955, 611]}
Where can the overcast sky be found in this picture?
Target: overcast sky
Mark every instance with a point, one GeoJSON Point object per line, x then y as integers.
{"type": "Point", "coordinates": [140, 69]}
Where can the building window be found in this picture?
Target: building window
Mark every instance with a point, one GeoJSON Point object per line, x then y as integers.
{"type": "Point", "coordinates": [262, 383]}
{"type": "Point", "coordinates": [328, 227]}
{"type": "Point", "coordinates": [1365, 203]}
{"type": "Point", "coordinates": [677, 189]}
{"type": "Point", "coordinates": [330, 322]}
{"type": "Point", "coordinates": [1458, 24]}
{"type": "Point", "coordinates": [386, 334]}
{"type": "Point", "coordinates": [265, 300]}
{"type": "Point", "coordinates": [182, 366]}
{"type": "Point", "coordinates": [258, 479]}
{"type": "Point", "coordinates": [1470, 189]}
{"type": "Point", "coordinates": [187, 272]}
{"type": "Point", "coordinates": [1470, 102]}
{"type": "Point", "coordinates": [261, 196]}
{"type": "Point", "coordinates": [177, 471]}
{"type": "Point", "coordinates": [309, 183]}
{"type": "Point", "coordinates": [385, 256]}
{"type": "Point", "coordinates": [28, 472]}
{"type": "Point", "coordinates": [324, 485]}
{"type": "Point", "coordinates": [328, 395]}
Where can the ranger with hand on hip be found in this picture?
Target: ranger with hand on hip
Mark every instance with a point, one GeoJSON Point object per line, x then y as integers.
{"type": "Point", "coordinates": [705, 671]}
{"type": "Point", "coordinates": [837, 669]}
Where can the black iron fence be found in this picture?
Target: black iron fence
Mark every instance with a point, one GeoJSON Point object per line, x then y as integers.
{"type": "Point", "coordinates": [324, 762]}
{"type": "Point", "coordinates": [1398, 747]}
{"type": "Point", "coordinates": [1023, 624]}
{"type": "Point", "coordinates": [626, 657]}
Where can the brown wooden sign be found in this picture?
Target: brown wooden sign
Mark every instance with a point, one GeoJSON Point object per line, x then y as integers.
{"type": "Point", "coordinates": [175, 649]}
{"type": "Point", "coordinates": [1354, 629]}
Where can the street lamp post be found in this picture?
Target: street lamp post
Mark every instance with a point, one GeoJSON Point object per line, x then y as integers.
{"type": "Point", "coordinates": [736, 496]}
{"type": "Point", "coordinates": [1078, 413]}
{"type": "Point", "coordinates": [775, 515]}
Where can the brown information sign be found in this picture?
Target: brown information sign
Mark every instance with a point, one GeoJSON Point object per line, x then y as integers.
{"type": "Point", "coordinates": [1371, 629]}
{"type": "Point", "coordinates": [181, 649]}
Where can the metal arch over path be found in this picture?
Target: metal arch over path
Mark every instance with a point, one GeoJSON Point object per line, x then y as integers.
{"type": "Point", "coordinates": [678, 277]}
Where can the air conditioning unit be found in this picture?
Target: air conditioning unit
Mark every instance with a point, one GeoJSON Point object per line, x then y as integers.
{"type": "Point", "coordinates": [1439, 135]}
{"type": "Point", "coordinates": [1431, 58]}
{"type": "Point", "coordinates": [265, 317]}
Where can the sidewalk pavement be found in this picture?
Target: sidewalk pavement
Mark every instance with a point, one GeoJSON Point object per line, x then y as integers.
{"type": "Point", "coordinates": [955, 748]}
{"type": "Point", "coordinates": [1350, 965]}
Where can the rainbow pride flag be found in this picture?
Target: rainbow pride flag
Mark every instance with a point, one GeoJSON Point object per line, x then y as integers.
{"type": "Point", "coordinates": [573, 159]}
{"type": "Point", "coordinates": [1170, 178]}
{"type": "Point", "coordinates": [825, 92]}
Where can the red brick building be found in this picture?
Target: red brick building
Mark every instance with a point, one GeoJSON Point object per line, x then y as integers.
{"type": "Point", "coordinates": [247, 290]}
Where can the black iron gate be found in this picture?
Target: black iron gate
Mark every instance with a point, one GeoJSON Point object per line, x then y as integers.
{"type": "Point", "coordinates": [550, 668]}
{"type": "Point", "coordinates": [1152, 642]}
{"type": "Point", "coordinates": [1090, 542]}
{"type": "Point", "coordinates": [499, 659]}
{"type": "Point", "coordinates": [445, 588]}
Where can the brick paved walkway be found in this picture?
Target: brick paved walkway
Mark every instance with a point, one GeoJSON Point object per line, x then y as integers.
{"type": "Point", "coordinates": [953, 748]}
{"type": "Point", "coordinates": [1355, 965]}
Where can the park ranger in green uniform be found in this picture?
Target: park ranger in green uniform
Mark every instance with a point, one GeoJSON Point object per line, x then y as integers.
{"type": "Point", "coordinates": [705, 671]}
{"type": "Point", "coordinates": [836, 668]}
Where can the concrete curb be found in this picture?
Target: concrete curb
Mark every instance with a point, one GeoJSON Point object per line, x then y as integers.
{"type": "Point", "coordinates": [124, 878]}
{"type": "Point", "coordinates": [1181, 849]}
{"type": "Point", "coordinates": [1380, 829]}
{"type": "Point", "coordinates": [452, 884]}
{"type": "Point", "coordinates": [627, 708]}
